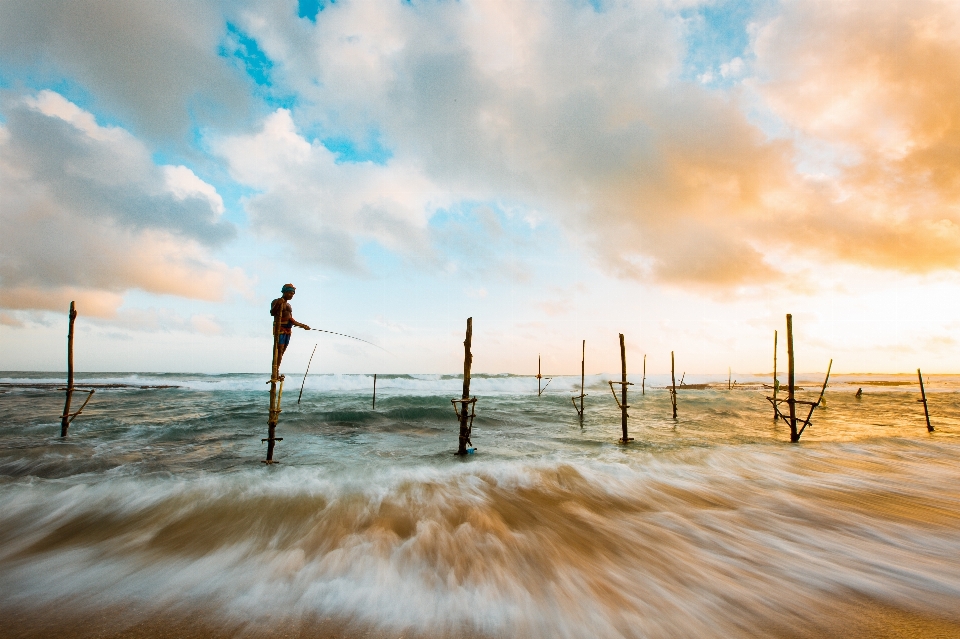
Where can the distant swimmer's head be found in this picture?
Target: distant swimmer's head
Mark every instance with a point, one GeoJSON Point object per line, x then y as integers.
{"type": "Point", "coordinates": [288, 290]}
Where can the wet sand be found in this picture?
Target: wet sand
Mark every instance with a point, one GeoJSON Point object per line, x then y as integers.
{"type": "Point", "coordinates": [855, 618]}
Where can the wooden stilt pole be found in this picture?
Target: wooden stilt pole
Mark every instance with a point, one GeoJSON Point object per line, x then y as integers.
{"type": "Point", "coordinates": [276, 393]}
{"type": "Point", "coordinates": [673, 386]}
{"type": "Point", "coordinates": [623, 392]}
{"type": "Point", "coordinates": [583, 353]}
{"type": "Point", "coordinates": [65, 418]}
{"type": "Point", "coordinates": [466, 419]}
{"type": "Point", "coordinates": [776, 410]}
{"type": "Point", "coordinates": [923, 398]}
{"type": "Point", "coordinates": [643, 381]}
{"type": "Point", "coordinates": [729, 377]}
{"type": "Point", "coordinates": [791, 381]}
{"type": "Point", "coordinates": [374, 391]}
{"type": "Point", "coordinates": [539, 376]}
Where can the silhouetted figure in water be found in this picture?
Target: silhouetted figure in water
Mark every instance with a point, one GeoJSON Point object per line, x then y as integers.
{"type": "Point", "coordinates": [859, 393]}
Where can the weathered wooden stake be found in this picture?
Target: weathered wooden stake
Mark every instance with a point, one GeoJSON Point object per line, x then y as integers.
{"type": "Point", "coordinates": [673, 386]}
{"type": "Point", "coordinates": [583, 357]}
{"type": "Point", "coordinates": [276, 394]}
{"type": "Point", "coordinates": [623, 393]}
{"type": "Point", "coordinates": [466, 419]}
{"type": "Point", "coordinates": [729, 377]}
{"type": "Point", "coordinates": [374, 391]}
{"type": "Point", "coordinates": [65, 418]}
{"type": "Point", "coordinates": [643, 381]}
{"type": "Point", "coordinates": [791, 383]}
{"type": "Point", "coordinates": [776, 411]}
{"type": "Point", "coordinates": [539, 376]}
{"type": "Point", "coordinates": [923, 398]}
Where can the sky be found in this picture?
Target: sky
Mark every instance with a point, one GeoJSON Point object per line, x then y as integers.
{"type": "Point", "coordinates": [684, 172]}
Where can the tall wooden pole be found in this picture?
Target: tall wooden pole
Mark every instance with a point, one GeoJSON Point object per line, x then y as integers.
{"type": "Point", "coordinates": [673, 386]}
{"type": "Point", "coordinates": [623, 392]}
{"type": "Point", "coordinates": [464, 415]}
{"type": "Point", "coordinates": [923, 398]}
{"type": "Point", "coordinates": [583, 357]}
{"type": "Point", "coordinates": [374, 391]}
{"type": "Point", "coordinates": [729, 376]}
{"type": "Point", "coordinates": [791, 381]}
{"type": "Point", "coordinates": [643, 381]}
{"type": "Point", "coordinates": [65, 419]}
{"type": "Point", "coordinates": [274, 394]}
{"type": "Point", "coordinates": [539, 376]}
{"type": "Point", "coordinates": [776, 411]}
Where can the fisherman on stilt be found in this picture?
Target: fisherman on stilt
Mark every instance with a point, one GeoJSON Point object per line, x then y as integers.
{"type": "Point", "coordinates": [281, 307]}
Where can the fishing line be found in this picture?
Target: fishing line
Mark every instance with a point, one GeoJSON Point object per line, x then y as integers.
{"type": "Point", "coordinates": [352, 337]}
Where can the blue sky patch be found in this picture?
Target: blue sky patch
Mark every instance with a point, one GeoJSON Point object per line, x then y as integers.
{"type": "Point", "coordinates": [310, 8]}
{"type": "Point", "coordinates": [349, 150]}
{"type": "Point", "coordinates": [717, 34]}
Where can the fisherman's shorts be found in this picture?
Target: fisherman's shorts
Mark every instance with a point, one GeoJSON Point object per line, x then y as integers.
{"type": "Point", "coordinates": [283, 339]}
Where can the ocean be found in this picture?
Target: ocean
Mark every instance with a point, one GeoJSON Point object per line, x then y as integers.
{"type": "Point", "coordinates": [157, 508]}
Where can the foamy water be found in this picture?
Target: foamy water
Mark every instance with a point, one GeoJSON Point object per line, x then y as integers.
{"type": "Point", "coordinates": [709, 526]}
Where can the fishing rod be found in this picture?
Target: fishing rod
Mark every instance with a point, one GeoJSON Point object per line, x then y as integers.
{"type": "Point", "coordinates": [352, 337]}
{"type": "Point", "coordinates": [305, 374]}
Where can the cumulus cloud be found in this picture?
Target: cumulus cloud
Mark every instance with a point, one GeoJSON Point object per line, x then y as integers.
{"type": "Point", "coordinates": [153, 63]}
{"type": "Point", "coordinates": [555, 106]}
{"type": "Point", "coordinates": [872, 86]}
{"type": "Point", "coordinates": [321, 207]}
{"type": "Point", "coordinates": [86, 215]}
{"type": "Point", "coordinates": [583, 115]}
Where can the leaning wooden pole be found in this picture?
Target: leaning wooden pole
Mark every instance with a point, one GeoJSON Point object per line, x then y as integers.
{"type": "Point", "coordinates": [65, 418]}
{"type": "Point", "coordinates": [276, 393]}
{"type": "Point", "coordinates": [673, 386]}
{"type": "Point", "coordinates": [791, 382]}
{"type": "Point", "coordinates": [466, 419]}
{"type": "Point", "coordinates": [776, 411]}
{"type": "Point", "coordinates": [923, 398]}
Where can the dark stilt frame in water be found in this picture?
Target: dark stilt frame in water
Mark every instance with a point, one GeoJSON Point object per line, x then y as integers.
{"type": "Point", "coordinates": [583, 357]}
{"type": "Point", "coordinates": [67, 417]}
{"type": "Point", "coordinates": [923, 400]}
{"type": "Point", "coordinates": [374, 407]}
{"type": "Point", "coordinates": [622, 403]}
{"type": "Point", "coordinates": [460, 405]}
{"type": "Point", "coordinates": [791, 400]}
{"type": "Point", "coordinates": [539, 377]}
{"type": "Point", "coordinates": [276, 394]}
{"type": "Point", "coordinates": [673, 385]}
{"type": "Point", "coordinates": [643, 380]}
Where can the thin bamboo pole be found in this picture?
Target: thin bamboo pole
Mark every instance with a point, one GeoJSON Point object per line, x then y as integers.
{"type": "Point", "coordinates": [791, 381]}
{"type": "Point", "coordinates": [923, 398]}
{"type": "Point", "coordinates": [583, 359]}
{"type": "Point", "coordinates": [465, 422]}
{"type": "Point", "coordinates": [729, 376]}
{"type": "Point", "coordinates": [65, 418]}
{"type": "Point", "coordinates": [673, 386]}
{"type": "Point", "coordinates": [310, 361]}
{"type": "Point", "coordinates": [539, 376]}
{"type": "Point", "coordinates": [643, 381]}
{"type": "Point", "coordinates": [374, 391]}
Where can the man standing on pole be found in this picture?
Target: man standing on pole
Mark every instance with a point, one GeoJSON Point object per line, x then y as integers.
{"type": "Point", "coordinates": [280, 308]}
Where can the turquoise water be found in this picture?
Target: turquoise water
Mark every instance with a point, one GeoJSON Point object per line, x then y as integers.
{"type": "Point", "coordinates": [711, 525]}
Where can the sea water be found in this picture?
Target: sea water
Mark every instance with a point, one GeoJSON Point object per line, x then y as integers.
{"type": "Point", "coordinates": [710, 525]}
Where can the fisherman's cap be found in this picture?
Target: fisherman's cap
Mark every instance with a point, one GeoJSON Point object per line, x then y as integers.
{"type": "Point", "coordinates": [288, 288]}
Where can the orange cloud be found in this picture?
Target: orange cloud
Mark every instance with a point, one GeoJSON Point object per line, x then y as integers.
{"type": "Point", "coordinates": [874, 86]}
